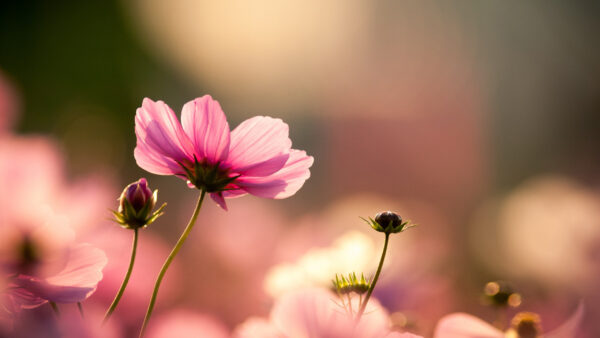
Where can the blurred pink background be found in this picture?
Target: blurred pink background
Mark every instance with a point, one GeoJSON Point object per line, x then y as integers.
{"type": "Point", "coordinates": [477, 121]}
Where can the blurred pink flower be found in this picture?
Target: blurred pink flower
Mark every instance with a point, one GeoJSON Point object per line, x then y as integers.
{"type": "Point", "coordinates": [314, 313]}
{"type": "Point", "coordinates": [186, 324]}
{"type": "Point", "coordinates": [39, 213]}
{"type": "Point", "coordinates": [32, 170]}
{"type": "Point", "coordinates": [462, 325]}
{"type": "Point", "coordinates": [43, 264]}
{"type": "Point", "coordinates": [256, 157]}
{"type": "Point", "coordinates": [42, 322]}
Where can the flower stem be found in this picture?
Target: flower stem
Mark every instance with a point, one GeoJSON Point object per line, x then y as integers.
{"type": "Point", "coordinates": [370, 291]}
{"type": "Point", "coordinates": [115, 302]}
{"type": "Point", "coordinates": [169, 259]}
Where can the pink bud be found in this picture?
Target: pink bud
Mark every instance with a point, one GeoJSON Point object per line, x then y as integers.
{"type": "Point", "coordinates": [136, 205]}
{"type": "Point", "coordinates": [137, 194]}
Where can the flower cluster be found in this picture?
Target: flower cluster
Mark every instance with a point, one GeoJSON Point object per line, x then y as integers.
{"type": "Point", "coordinates": [46, 265]}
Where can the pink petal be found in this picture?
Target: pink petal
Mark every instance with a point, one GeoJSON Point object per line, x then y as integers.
{"type": "Point", "coordinates": [256, 327]}
{"type": "Point", "coordinates": [186, 324]}
{"type": "Point", "coordinates": [20, 298]}
{"type": "Point", "coordinates": [160, 137]}
{"type": "Point", "coordinates": [266, 167]}
{"type": "Point", "coordinates": [258, 140]}
{"type": "Point", "coordinates": [316, 313]}
{"type": "Point", "coordinates": [306, 313]}
{"type": "Point", "coordinates": [218, 198]}
{"type": "Point", "coordinates": [402, 335]}
{"type": "Point", "coordinates": [76, 282]}
{"type": "Point", "coordinates": [462, 325]}
{"type": "Point", "coordinates": [285, 182]}
{"type": "Point", "coordinates": [155, 163]}
{"type": "Point", "coordinates": [570, 327]}
{"type": "Point", "coordinates": [204, 122]}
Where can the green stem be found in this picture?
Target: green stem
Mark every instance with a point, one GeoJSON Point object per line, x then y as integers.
{"type": "Point", "coordinates": [170, 258]}
{"type": "Point", "coordinates": [370, 291]}
{"type": "Point", "coordinates": [115, 302]}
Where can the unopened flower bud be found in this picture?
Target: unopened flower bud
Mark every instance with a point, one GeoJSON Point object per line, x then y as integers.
{"type": "Point", "coordinates": [136, 204]}
{"type": "Point", "coordinates": [388, 218]}
{"type": "Point", "coordinates": [526, 325]}
{"type": "Point", "coordinates": [388, 222]}
{"type": "Point", "coordinates": [137, 194]}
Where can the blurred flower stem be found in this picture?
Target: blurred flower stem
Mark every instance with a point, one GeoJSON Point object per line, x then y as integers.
{"type": "Point", "coordinates": [169, 259]}
{"type": "Point", "coordinates": [115, 302]}
{"type": "Point", "coordinates": [366, 300]}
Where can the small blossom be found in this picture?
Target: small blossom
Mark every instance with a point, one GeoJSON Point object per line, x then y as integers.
{"type": "Point", "coordinates": [136, 204]}
{"type": "Point", "coordinates": [53, 268]}
{"type": "Point", "coordinates": [255, 158]}
{"type": "Point", "coordinates": [313, 313]}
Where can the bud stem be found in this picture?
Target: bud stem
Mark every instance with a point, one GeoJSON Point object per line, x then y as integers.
{"type": "Point", "coordinates": [169, 259]}
{"type": "Point", "coordinates": [370, 291]}
{"type": "Point", "coordinates": [115, 302]}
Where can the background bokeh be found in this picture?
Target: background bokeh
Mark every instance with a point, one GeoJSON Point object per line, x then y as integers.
{"type": "Point", "coordinates": [477, 120]}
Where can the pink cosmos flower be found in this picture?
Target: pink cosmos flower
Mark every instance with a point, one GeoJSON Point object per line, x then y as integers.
{"type": "Point", "coordinates": [255, 158]}
{"type": "Point", "coordinates": [524, 325]}
{"type": "Point", "coordinates": [42, 263]}
{"type": "Point", "coordinates": [315, 313]}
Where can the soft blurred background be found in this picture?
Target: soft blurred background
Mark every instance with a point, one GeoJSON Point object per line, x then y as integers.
{"type": "Point", "coordinates": [477, 120]}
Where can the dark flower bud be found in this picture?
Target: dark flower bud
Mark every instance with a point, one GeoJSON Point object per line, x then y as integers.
{"type": "Point", "coordinates": [136, 204]}
{"type": "Point", "coordinates": [387, 219]}
{"type": "Point", "coordinates": [388, 222]}
{"type": "Point", "coordinates": [526, 325]}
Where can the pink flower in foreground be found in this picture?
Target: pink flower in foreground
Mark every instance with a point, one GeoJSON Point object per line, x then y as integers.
{"type": "Point", "coordinates": [314, 313]}
{"type": "Point", "coordinates": [255, 158]}
{"type": "Point", "coordinates": [524, 325]}
{"type": "Point", "coordinates": [42, 264]}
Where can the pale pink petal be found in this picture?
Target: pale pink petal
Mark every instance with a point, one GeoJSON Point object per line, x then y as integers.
{"type": "Point", "coordinates": [155, 163]}
{"type": "Point", "coordinates": [402, 335]}
{"type": "Point", "coordinates": [234, 193]}
{"type": "Point", "coordinates": [186, 324]}
{"type": "Point", "coordinates": [284, 183]}
{"type": "Point", "coordinates": [160, 137]}
{"type": "Point", "coordinates": [20, 298]}
{"type": "Point", "coordinates": [462, 325]}
{"type": "Point", "coordinates": [307, 313]}
{"type": "Point", "coordinates": [218, 198]}
{"type": "Point", "coordinates": [255, 141]}
{"type": "Point", "coordinates": [205, 124]}
{"type": "Point", "coordinates": [256, 327]}
{"type": "Point", "coordinates": [264, 168]}
{"type": "Point", "coordinates": [374, 323]}
{"type": "Point", "coordinates": [76, 282]}
{"type": "Point", "coordinates": [570, 327]}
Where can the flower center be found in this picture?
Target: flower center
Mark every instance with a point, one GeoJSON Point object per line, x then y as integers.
{"type": "Point", "coordinates": [209, 177]}
{"type": "Point", "coordinates": [28, 255]}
